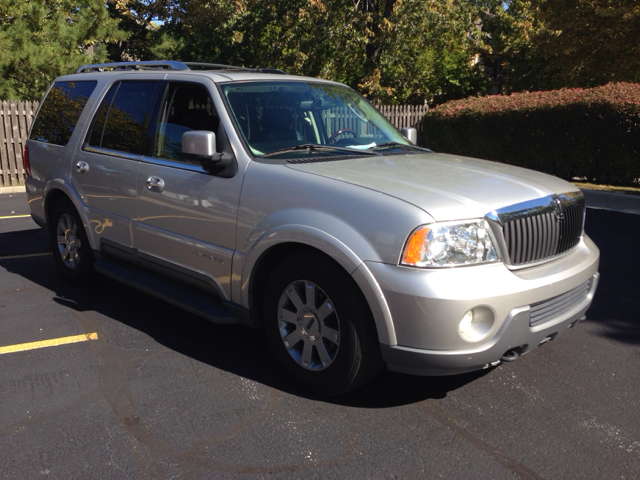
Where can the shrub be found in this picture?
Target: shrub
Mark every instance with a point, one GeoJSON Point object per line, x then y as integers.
{"type": "Point", "coordinates": [593, 134]}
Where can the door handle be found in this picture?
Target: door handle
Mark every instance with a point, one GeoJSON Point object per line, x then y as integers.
{"type": "Point", "coordinates": [155, 184]}
{"type": "Point", "coordinates": [82, 167]}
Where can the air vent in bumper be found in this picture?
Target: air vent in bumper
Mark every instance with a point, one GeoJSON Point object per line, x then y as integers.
{"type": "Point", "coordinates": [555, 307]}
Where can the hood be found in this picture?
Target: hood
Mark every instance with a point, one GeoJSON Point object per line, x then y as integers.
{"type": "Point", "coordinates": [448, 187]}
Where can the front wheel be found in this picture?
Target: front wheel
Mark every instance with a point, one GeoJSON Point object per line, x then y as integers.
{"type": "Point", "coordinates": [71, 250]}
{"type": "Point", "coordinates": [319, 326]}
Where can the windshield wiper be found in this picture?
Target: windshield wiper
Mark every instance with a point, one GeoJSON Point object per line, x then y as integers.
{"type": "Point", "coordinates": [313, 147]}
{"type": "Point", "coordinates": [398, 144]}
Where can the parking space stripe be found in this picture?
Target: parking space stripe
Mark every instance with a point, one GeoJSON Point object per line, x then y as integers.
{"type": "Point", "coordinates": [54, 342]}
{"type": "Point", "coordinates": [14, 216]}
{"type": "Point", "coordinates": [26, 255]}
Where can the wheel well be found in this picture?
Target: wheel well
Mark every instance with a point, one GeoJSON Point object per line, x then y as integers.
{"type": "Point", "coordinates": [267, 262]}
{"type": "Point", "coordinates": [52, 199]}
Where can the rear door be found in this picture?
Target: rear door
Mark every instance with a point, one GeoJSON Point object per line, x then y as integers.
{"type": "Point", "coordinates": [187, 217]}
{"type": "Point", "coordinates": [105, 170]}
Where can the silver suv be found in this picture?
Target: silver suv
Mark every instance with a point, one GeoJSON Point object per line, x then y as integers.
{"type": "Point", "coordinates": [291, 204]}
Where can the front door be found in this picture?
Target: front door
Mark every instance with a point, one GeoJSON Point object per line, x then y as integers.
{"type": "Point", "coordinates": [187, 217]}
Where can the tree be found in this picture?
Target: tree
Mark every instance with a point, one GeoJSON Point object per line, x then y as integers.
{"type": "Point", "coordinates": [42, 39]}
{"type": "Point", "coordinates": [428, 52]}
{"type": "Point", "coordinates": [391, 50]}
{"type": "Point", "coordinates": [551, 44]}
{"type": "Point", "coordinates": [589, 42]}
{"type": "Point", "coordinates": [145, 39]}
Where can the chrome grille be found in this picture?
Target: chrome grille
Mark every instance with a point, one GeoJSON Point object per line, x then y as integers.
{"type": "Point", "coordinates": [546, 310]}
{"type": "Point", "coordinates": [551, 227]}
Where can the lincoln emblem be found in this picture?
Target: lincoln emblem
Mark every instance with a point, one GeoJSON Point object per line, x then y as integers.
{"type": "Point", "coordinates": [557, 209]}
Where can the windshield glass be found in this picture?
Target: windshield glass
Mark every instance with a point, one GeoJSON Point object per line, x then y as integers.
{"type": "Point", "coordinates": [281, 115]}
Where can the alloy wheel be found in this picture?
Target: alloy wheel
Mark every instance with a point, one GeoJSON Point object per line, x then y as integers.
{"type": "Point", "coordinates": [309, 325]}
{"type": "Point", "coordinates": [69, 243]}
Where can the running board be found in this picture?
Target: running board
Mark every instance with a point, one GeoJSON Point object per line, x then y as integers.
{"type": "Point", "coordinates": [195, 303]}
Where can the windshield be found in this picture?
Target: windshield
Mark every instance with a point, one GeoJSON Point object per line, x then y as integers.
{"type": "Point", "coordinates": [274, 116]}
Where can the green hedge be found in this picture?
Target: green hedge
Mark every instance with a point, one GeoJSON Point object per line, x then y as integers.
{"type": "Point", "coordinates": [591, 134]}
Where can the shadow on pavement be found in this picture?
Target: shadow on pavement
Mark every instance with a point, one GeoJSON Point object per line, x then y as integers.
{"type": "Point", "coordinates": [617, 301]}
{"type": "Point", "coordinates": [24, 242]}
{"type": "Point", "coordinates": [235, 349]}
{"type": "Point", "coordinates": [244, 352]}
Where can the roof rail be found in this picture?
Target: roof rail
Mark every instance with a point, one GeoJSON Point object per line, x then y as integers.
{"type": "Point", "coordinates": [233, 67]}
{"type": "Point", "coordinates": [142, 65]}
{"type": "Point", "coordinates": [168, 65]}
{"type": "Point", "coordinates": [217, 66]}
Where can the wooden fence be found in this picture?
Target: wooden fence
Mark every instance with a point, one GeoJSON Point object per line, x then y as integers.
{"type": "Point", "coordinates": [16, 117]}
{"type": "Point", "coordinates": [15, 120]}
{"type": "Point", "coordinates": [405, 116]}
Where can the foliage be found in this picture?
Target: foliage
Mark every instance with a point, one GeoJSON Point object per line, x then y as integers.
{"type": "Point", "coordinates": [393, 51]}
{"type": "Point", "coordinates": [42, 39]}
{"type": "Point", "coordinates": [592, 134]}
{"type": "Point", "coordinates": [144, 39]}
{"type": "Point", "coordinates": [551, 44]}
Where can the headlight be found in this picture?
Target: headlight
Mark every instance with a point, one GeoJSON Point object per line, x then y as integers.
{"type": "Point", "coordinates": [449, 244]}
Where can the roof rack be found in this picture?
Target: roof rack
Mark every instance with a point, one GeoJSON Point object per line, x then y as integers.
{"type": "Point", "coordinates": [168, 65]}
{"type": "Point", "coordinates": [142, 65]}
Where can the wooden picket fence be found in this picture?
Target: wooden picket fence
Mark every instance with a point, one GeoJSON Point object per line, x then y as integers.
{"type": "Point", "coordinates": [405, 116]}
{"type": "Point", "coordinates": [16, 118]}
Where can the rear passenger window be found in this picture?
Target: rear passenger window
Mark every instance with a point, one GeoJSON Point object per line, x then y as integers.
{"type": "Point", "coordinates": [187, 107]}
{"type": "Point", "coordinates": [122, 120]}
{"type": "Point", "coordinates": [60, 111]}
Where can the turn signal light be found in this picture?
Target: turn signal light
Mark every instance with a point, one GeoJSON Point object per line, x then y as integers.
{"type": "Point", "coordinates": [415, 246]}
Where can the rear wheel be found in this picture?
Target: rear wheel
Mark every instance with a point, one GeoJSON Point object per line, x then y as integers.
{"type": "Point", "coordinates": [71, 251]}
{"type": "Point", "coordinates": [319, 326]}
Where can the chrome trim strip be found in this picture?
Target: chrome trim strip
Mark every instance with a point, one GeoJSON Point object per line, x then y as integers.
{"type": "Point", "coordinates": [112, 153]}
{"type": "Point", "coordinates": [539, 205]}
{"type": "Point", "coordinates": [163, 162]}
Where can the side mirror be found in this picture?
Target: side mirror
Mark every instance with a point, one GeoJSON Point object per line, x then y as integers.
{"type": "Point", "coordinates": [199, 147]}
{"type": "Point", "coordinates": [410, 134]}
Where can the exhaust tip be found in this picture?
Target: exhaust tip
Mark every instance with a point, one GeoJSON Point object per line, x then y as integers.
{"type": "Point", "coordinates": [510, 356]}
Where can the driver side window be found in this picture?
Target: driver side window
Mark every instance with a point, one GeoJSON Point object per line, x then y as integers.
{"type": "Point", "coordinates": [187, 107]}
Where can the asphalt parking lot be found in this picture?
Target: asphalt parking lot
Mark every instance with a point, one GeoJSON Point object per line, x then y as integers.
{"type": "Point", "coordinates": [145, 390]}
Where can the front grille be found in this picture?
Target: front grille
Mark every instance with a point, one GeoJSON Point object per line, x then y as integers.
{"type": "Point", "coordinates": [545, 231]}
{"type": "Point", "coordinates": [547, 310]}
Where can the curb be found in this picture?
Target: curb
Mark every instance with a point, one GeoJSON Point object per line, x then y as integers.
{"type": "Point", "coordinates": [18, 189]}
{"type": "Point", "coordinates": [616, 202]}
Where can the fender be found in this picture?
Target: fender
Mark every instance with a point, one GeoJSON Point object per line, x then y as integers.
{"type": "Point", "coordinates": [328, 242]}
{"type": "Point", "coordinates": [72, 194]}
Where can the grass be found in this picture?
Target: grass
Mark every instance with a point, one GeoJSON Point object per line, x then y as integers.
{"type": "Point", "coordinates": [607, 188]}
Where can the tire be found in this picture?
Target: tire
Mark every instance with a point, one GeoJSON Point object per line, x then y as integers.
{"type": "Point", "coordinates": [69, 243]}
{"type": "Point", "coordinates": [324, 339]}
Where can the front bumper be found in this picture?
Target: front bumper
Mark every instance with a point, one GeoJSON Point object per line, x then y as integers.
{"type": "Point", "coordinates": [426, 307]}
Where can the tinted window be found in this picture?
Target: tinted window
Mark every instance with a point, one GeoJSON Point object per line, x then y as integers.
{"type": "Point", "coordinates": [128, 117]}
{"type": "Point", "coordinates": [60, 111]}
{"type": "Point", "coordinates": [95, 136]}
{"type": "Point", "coordinates": [187, 107]}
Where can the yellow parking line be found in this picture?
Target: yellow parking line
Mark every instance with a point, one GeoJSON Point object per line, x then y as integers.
{"type": "Point", "coordinates": [9, 257]}
{"type": "Point", "coordinates": [14, 216]}
{"type": "Point", "coordinates": [54, 342]}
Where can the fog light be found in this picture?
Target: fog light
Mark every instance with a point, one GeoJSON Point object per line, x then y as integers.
{"type": "Point", "coordinates": [465, 323]}
{"type": "Point", "coordinates": [476, 324]}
